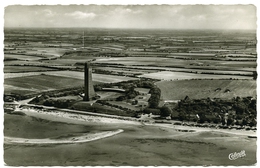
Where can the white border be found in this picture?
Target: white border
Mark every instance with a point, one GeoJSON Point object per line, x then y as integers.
{"type": "Point", "coordinates": [5, 3]}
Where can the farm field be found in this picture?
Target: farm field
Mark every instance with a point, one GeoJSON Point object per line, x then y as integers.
{"type": "Point", "coordinates": [147, 69]}
{"type": "Point", "coordinates": [158, 61]}
{"type": "Point", "coordinates": [102, 78]}
{"type": "Point", "coordinates": [111, 78]}
{"type": "Point", "coordinates": [167, 62]}
{"type": "Point", "coordinates": [192, 54]}
{"type": "Point", "coordinates": [40, 83]}
{"type": "Point", "coordinates": [125, 70]}
{"type": "Point", "coordinates": [67, 61]}
{"type": "Point", "coordinates": [22, 57]}
{"type": "Point", "coordinates": [48, 52]}
{"type": "Point", "coordinates": [168, 75]}
{"type": "Point", "coordinates": [21, 74]}
{"type": "Point", "coordinates": [97, 78]}
{"type": "Point", "coordinates": [13, 69]}
{"type": "Point", "coordinates": [22, 62]}
{"type": "Point", "coordinates": [197, 68]}
{"type": "Point", "coordinates": [198, 89]}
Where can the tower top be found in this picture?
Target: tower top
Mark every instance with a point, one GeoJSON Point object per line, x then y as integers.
{"type": "Point", "coordinates": [87, 64]}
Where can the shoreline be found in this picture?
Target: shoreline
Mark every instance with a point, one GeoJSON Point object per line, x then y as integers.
{"type": "Point", "coordinates": [71, 140]}
{"type": "Point", "coordinates": [191, 129]}
{"type": "Point", "coordinates": [81, 118]}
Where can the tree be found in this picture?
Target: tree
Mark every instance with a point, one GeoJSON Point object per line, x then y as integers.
{"type": "Point", "coordinates": [182, 116]}
{"type": "Point", "coordinates": [165, 111]}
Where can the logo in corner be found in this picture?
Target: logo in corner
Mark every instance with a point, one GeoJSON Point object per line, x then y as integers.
{"type": "Point", "coordinates": [236, 155]}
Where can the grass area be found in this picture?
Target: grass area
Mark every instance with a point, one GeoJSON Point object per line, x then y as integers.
{"type": "Point", "coordinates": [40, 83]}
{"type": "Point", "coordinates": [124, 105]}
{"type": "Point", "coordinates": [8, 69]}
{"type": "Point", "coordinates": [144, 98]}
{"type": "Point", "coordinates": [197, 89]}
{"type": "Point", "coordinates": [99, 108]}
{"type": "Point", "coordinates": [71, 97]}
{"type": "Point", "coordinates": [142, 90]}
{"type": "Point", "coordinates": [168, 75]}
{"type": "Point", "coordinates": [111, 78]}
{"type": "Point", "coordinates": [18, 90]}
{"type": "Point", "coordinates": [108, 95]}
{"type": "Point", "coordinates": [21, 74]}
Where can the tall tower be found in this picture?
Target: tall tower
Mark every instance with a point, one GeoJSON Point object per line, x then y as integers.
{"type": "Point", "coordinates": [89, 89]}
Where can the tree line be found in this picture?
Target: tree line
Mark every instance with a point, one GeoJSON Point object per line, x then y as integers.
{"type": "Point", "coordinates": [237, 111]}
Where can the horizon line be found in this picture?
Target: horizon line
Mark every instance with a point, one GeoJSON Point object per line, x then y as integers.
{"type": "Point", "coordinates": [123, 28]}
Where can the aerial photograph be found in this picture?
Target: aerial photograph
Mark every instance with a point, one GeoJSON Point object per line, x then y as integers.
{"type": "Point", "coordinates": [130, 85]}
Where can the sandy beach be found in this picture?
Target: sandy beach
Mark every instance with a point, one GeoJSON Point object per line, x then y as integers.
{"type": "Point", "coordinates": [80, 118]}
{"type": "Point", "coordinates": [70, 140]}
{"type": "Point", "coordinates": [55, 115]}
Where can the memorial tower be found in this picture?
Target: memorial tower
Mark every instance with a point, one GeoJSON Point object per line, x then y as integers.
{"type": "Point", "coordinates": [89, 89]}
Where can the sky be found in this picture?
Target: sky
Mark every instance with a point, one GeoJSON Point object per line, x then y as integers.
{"type": "Point", "coordinates": [132, 16]}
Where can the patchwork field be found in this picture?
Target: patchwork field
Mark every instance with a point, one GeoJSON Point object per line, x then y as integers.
{"type": "Point", "coordinates": [197, 89]}
{"type": "Point", "coordinates": [168, 75]}
{"type": "Point", "coordinates": [195, 63]}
